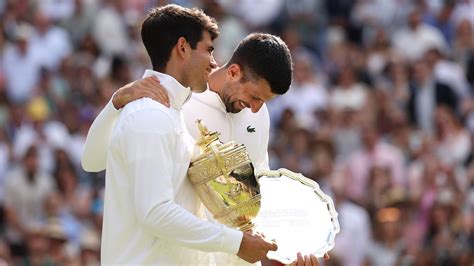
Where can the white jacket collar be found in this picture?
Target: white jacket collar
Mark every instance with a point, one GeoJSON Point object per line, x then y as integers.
{"type": "Point", "coordinates": [210, 98]}
{"type": "Point", "coordinates": [178, 93]}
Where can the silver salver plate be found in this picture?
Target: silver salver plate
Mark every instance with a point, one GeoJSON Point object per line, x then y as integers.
{"type": "Point", "coordinates": [297, 214]}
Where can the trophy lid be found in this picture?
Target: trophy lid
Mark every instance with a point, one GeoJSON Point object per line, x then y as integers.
{"type": "Point", "coordinates": [206, 139]}
{"type": "Point", "coordinates": [209, 143]}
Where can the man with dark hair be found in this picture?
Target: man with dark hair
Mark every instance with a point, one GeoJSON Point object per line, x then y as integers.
{"type": "Point", "coordinates": [165, 25]}
{"type": "Point", "coordinates": [269, 49]}
{"type": "Point", "coordinates": [151, 209]}
{"type": "Point", "coordinates": [259, 69]}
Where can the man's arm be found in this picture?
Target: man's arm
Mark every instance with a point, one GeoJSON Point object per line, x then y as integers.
{"type": "Point", "coordinates": [147, 149]}
{"type": "Point", "coordinates": [94, 154]}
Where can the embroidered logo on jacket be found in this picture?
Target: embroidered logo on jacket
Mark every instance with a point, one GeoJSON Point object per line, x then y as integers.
{"type": "Point", "coordinates": [250, 129]}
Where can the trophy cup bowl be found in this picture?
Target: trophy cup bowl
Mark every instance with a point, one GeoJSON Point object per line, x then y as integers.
{"type": "Point", "coordinates": [224, 179]}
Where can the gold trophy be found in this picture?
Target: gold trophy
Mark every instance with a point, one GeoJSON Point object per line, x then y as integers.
{"type": "Point", "coordinates": [224, 179]}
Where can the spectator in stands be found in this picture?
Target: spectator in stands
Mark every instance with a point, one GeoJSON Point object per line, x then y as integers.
{"type": "Point", "coordinates": [21, 58]}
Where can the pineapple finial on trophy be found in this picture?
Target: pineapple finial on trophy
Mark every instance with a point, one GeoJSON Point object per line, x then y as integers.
{"type": "Point", "coordinates": [202, 127]}
{"type": "Point", "coordinates": [206, 139]}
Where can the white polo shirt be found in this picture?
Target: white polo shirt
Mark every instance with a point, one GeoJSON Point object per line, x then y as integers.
{"type": "Point", "coordinates": [151, 209]}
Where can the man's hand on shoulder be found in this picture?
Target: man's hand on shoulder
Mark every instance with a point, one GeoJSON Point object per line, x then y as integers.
{"type": "Point", "coordinates": [254, 247]}
{"type": "Point", "coordinates": [146, 87]}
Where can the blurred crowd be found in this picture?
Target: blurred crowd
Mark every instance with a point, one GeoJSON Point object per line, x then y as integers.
{"type": "Point", "coordinates": [380, 113]}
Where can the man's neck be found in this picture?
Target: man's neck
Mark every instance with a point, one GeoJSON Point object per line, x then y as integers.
{"type": "Point", "coordinates": [175, 72]}
{"type": "Point", "coordinates": [216, 81]}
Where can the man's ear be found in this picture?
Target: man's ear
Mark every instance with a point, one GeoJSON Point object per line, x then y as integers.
{"type": "Point", "coordinates": [234, 72]}
{"type": "Point", "coordinates": [183, 48]}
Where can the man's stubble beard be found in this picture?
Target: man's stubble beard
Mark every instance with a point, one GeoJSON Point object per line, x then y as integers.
{"type": "Point", "coordinates": [229, 105]}
{"type": "Point", "coordinates": [230, 109]}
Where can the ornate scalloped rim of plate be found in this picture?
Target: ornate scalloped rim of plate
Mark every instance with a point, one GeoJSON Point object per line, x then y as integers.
{"type": "Point", "coordinates": [317, 190]}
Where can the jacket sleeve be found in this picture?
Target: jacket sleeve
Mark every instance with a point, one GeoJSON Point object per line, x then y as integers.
{"type": "Point", "coordinates": [94, 154]}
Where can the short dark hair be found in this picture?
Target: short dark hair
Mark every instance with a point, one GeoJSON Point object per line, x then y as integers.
{"type": "Point", "coordinates": [266, 56]}
{"type": "Point", "coordinates": [166, 24]}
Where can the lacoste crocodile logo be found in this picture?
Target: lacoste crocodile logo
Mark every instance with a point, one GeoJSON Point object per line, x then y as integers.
{"type": "Point", "coordinates": [250, 129]}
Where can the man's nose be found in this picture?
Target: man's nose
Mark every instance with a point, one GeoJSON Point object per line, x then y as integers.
{"type": "Point", "coordinates": [213, 62]}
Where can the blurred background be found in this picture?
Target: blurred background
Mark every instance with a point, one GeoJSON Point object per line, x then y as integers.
{"type": "Point", "coordinates": [380, 114]}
